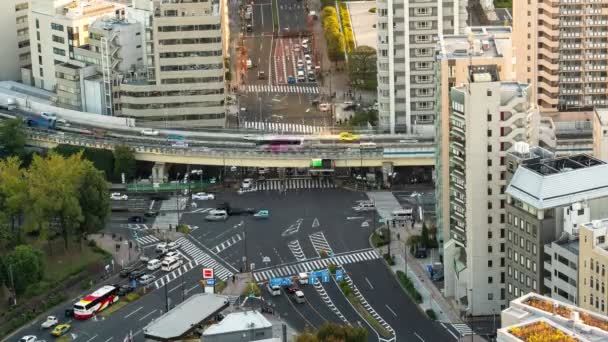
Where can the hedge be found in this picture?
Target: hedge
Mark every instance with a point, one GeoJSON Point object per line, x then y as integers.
{"type": "Point", "coordinates": [409, 287]}
{"type": "Point", "coordinates": [349, 36]}
{"type": "Point", "coordinates": [333, 35]}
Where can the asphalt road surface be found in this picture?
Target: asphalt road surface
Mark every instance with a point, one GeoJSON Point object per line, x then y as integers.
{"type": "Point", "coordinates": [292, 16]}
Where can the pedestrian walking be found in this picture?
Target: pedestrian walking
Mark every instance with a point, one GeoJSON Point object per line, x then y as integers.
{"type": "Point", "coordinates": [233, 277]}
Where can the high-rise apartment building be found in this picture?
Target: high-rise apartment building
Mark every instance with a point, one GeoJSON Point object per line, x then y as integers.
{"type": "Point", "coordinates": [593, 263]}
{"type": "Point", "coordinates": [479, 46]}
{"type": "Point", "coordinates": [57, 27]}
{"type": "Point", "coordinates": [561, 49]}
{"type": "Point", "coordinates": [15, 38]}
{"type": "Point", "coordinates": [487, 118]}
{"type": "Point", "coordinates": [548, 198]}
{"type": "Point", "coordinates": [407, 36]}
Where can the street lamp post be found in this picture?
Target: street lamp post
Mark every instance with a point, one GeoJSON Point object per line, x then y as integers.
{"type": "Point", "coordinates": [471, 316]}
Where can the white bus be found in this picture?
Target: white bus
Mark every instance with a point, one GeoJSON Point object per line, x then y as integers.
{"type": "Point", "coordinates": [95, 302]}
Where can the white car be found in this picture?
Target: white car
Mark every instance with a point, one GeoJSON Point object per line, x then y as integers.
{"type": "Point", "coordinates": [150, 132]}
{"type": "Point", "coordinates": [117, 196]}
{"type": "Point", "coordinates": [161, 247]}
{"type": "Point", "coordinates": [172, 254]}
{"type": "Point", "coordinates": [28, 338]}
{"type": "Point", "coordinates": [307, 58]}
{"type": "Point", "coordinates": [48, 115]}
{"type": "Point", "coordinates": [146, 279]}
{"type": "Point", "coordinates": [247, 183]}
{"type": "Point", "coordinates": [324, 107]}
{"type": "Point", "coordinates": [300, 64]}
{"type": "Point", "coordinates": [172, 245]}
{"type": "Point", "coordinates": [50, 321]}
{"type": "Point", "coordinates": [202, 196]}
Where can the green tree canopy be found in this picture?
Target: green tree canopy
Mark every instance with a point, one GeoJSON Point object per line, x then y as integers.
{"type": "Point", "coordinates": [12, 137]}
{"type": "Point", "coordinates": [103, 160]}
{"type": "Point", "coordinates": [362, 65]}
{"type": "Point", "coordinates": [124, 162]}
{"type": "Point", "coordinates": [335, 332]}
{"type": "Point", "coordinates": [94, 198]}
{"type": "Point", "coordinates": [22, 266]}
{"type": "Point", "coordinates": [13, 198]}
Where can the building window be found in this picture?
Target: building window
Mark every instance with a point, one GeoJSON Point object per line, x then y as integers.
{"type": "Point", "coordinates": [489, 248]}
{"type": "Point", "coordinates": [490, 222]}
{"type": "Point", "coordinates": [509, 271]}
{"type": "Point", "coordinates": [489, 133]}
{"type": "Point", "coordinates": [58, 39]}
{"type": "Point", "coordinates": [510, 289]}
{"type": "Point", "coordinates": [490, 296]}
{"type": "Point", "coordinates": [533, 266]}
{"type": "Point", "coordinates": [60, 52]}
{"type": "Point", "coordinates": [38, 35]}
{"type": "Point", "coordinates": [490, 280]}
{"type": "Point", "coordinates": [37, 23]}
{"type": "Point", "coordinates": [489, 263]}
{"type": "Point", "coordinates": [489, 93]}
{"type": "Point", "coordinates": [57, 27]}
{"type": "Point", "coordinates": [534, 285]}
{"type": "Point", "coordinates": [422, 11]}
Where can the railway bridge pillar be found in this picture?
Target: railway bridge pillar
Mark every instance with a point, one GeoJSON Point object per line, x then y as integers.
{"type": "Point", "coordinates": [159, 172]}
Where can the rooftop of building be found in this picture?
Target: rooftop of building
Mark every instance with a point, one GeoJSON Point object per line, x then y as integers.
{"type": "Point", "coordinates": [238, 321]}
{"type": "Point", "coordinates": [599, 228]}
{"type": "Point", "coordinates": [479, 42]}
{"type": "Point", "coordinates": [523, 151]}
{"type": "Point", "coordinates": [109, 23]}
{"type": "Point", "coordinates": [185, 317]}
{"type": "Point", "coordinates": [569, 243]}
{"type": "Point", "coordinates": [602, 115]}
{"type": "Point", "coordinates": [553, 182]}
{"type": "Point", "coordinates": [532, 308]}
{"type": "Point", "coordinates": [75, 9]}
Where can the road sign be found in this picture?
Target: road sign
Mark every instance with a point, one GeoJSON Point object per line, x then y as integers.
{"type": "Point", "coordinates": [208, 273]}
{"type": "Point", "coordinates": [266, 259]}
{"type": "Point", "coordinates": [325, 278]}
{"type": "Point", "coordinates": [210, 282]}
{"type": "Point", "coordinates": [339, 274]}
{"type": "Point", "coordinates": [280, 282]}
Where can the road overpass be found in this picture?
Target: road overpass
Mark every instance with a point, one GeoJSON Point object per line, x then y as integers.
{"type": "Point", "coordinates": [421, 154]}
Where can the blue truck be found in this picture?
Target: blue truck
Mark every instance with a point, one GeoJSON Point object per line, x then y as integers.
{"type": "Point", "coordinates": [41, 122]}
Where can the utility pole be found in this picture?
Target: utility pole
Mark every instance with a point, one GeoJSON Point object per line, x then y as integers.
{"type": "Point", "coordinates": [177, 199]}
{"type": "Point", "coordinates": [244, 246]}
{"type": "Point", "coordinates": [166, 299]}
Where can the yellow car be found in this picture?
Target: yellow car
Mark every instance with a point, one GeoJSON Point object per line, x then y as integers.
{"type": "Point", "coordinates": [60, 329]}
{"type": "Point", "coordinates": [348, 137]}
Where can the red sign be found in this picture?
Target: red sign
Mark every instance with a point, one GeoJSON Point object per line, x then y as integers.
{"type": "Point", "coordinates": [208, 273]}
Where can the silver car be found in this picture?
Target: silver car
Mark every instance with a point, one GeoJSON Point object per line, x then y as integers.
{"type": "Point", "coordinates": [217, 215]}
{"type": "Point", "coordinates": [146, 279]}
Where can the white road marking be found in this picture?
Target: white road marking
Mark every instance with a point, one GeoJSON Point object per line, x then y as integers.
{"type": "Point", "coordinates": [108, 340]}
{"type": "Point", "coordinates": [175, 288]}
{"type": "Point", "coordinates": [91, 338]}
{"type": "Point", "coordinates": [450, 331]}
{"type": "Point", "coordinates": [147, 315]}
{"type": "Point", "coordinates": [418, 337]}
{"type": "Point", "coordinates": [370, 284]}
{"type": "Point", "coordinates": [192, 288]}
{"type": "Point", "coordinates": [151, 204]}
{"type": "Point", "coordinates": [391, 310]}
{"type": "Point", "coordinates": [355, 218]}
{"type": "Point", "coordinates": [141, 307]}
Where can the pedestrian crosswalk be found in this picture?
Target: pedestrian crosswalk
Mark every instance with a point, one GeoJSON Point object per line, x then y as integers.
{"type": "Point", "coordinates": [201, 210]}
{"type": "Point", "coordinates": [296, 250]}
{"type": "Point", "coordinates": [146, 240]}
{"type": "Point", "coordinates": [283, 127]}
{"type": "Point", "coordinates": [229, 242]}
{"type": "Point", "coordinates": [313, 265]}
{"type": "Point", "coordinates": [319, 243]}
{"type": "Point", "coordinates": [169, 277]}
{"type": "Point", "coordinates": [295, 183]}
{"type": "Point", "coordinates": [203, 259]}
{"type": "Point", "coordinates": [463, 329]}
{"type": "Point", "coordinates": [137, 226]}
{"type": "Point", "coordinates": [295, 89]}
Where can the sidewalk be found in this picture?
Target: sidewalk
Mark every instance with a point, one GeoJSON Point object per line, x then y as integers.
{"type": "Point", "coordinates": [432, 298]}
{"type": "Point", "coordinates": [237, 287]}
{"type": "Point", "coordinates": [119, 248]}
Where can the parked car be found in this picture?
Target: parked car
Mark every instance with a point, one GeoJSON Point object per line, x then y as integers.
{"type": "Point", "coordinates": [247, 183]}
{"type": "Point", "coordinates": [117, 196]}
{"type": "Point", "coordinates": [150, 132]}
{"type": "Point", "coordinates": [50, 322]}
{"type": "Point", "coordinates": [146, 279]}
{"type": "Point", "coordinates": [124, 290]}
{"type": "Point", "coordinates": [61, 329]}
{"type": "Point", "coordinates": [203, 196]}
{"type": "Point", "coordinates": [172, 245]}
{"type": "Point", "coordinates": [153, 264]}
{"type": "Point", "coordinates": [28, 338]}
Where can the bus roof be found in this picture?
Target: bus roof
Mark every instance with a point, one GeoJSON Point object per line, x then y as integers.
{"type": "Point", "coordinates": [102, 291]}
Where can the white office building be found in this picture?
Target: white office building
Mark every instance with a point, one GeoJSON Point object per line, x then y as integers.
{"type": "Point", "coordinates": [407, 37]}
{"type": "Point", "coordinates": [15, 39]}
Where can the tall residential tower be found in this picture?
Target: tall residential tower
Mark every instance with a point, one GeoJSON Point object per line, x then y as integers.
{"type": "Point", "coordinates": [407, 36]}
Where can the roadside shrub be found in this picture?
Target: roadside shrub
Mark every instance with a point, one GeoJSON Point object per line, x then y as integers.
{"type": "Point", "coordinates": [389, 259]}
{"type": "Point", "coordinates": [346, 289]}
{"type": "Point", "coordinates": [182, 228]}
{"type": "Point", "coordinates": [323, 253]}
{"type": "Point", "coordinates": [409, 287]}
{"type": "Point", "coordinates": [220, 286]}
{"type": "Point", "coordinates": [332, 268]}
{"type": "Point", "coordinates": [131, 297]}
{"type": "Point", "coordinates": [252, 288]}
{"type": "Point", "coordinates": [431, 314]}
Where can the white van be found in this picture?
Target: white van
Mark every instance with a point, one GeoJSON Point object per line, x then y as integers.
{"type": "Point", "coordinates": [403, 214]}
{"type": "Point", "coordinates": [274, 290]}
{"type": "Point", "coordinates": [154, 264]}
{"type": "Point", "coordinates": [301, 76]}
{"type": "Point", "coordinates": [169, 264]}
{"type": "Point", "coordinates": [303, 278]}
{"type": "Point", "coordinates": [249, 63]}
{"type": "Point", "coordinates": [365, 206]}
{"type": "Point", "coordinates": [299, 297]}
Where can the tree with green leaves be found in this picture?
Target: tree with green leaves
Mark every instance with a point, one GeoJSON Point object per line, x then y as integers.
{"type": "Point", "coordinates": [102, 159]}
{"type": "Point", "coordinates": [124, 162]}
{"type": "Point", "coordinates": [362, 69]}
{"type": "Point", "coordinates": [335, 332]}
{"type": "Point", "coordinates": [94, 198]}
{"type": "Point", "coordinates": [13, 199]}
{"type": "Point", "coordinates": [12, 137]}
{"type": "Point", "coordinates": [53, 188]}
{"type": "Point", "coordinates": [22, 267]}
